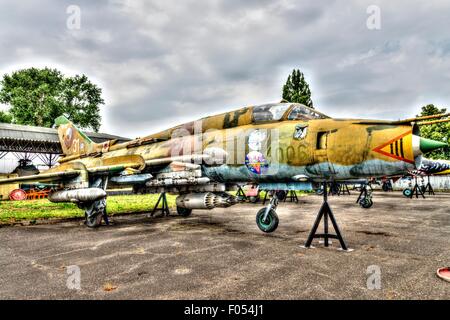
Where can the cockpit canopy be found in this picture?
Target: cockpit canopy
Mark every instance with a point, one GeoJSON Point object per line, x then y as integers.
{"type": "Point", "coordinates": [276, 111]}
{"type": "Point", "coordinates": [248, 115]}
{"type": "Point", "coordinates": [301, 112]}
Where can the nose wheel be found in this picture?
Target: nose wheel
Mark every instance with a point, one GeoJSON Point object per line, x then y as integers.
{"type": "Point", "coordinates": [267, 218]}
{"type": "Point", "coordinates": [269, 223]}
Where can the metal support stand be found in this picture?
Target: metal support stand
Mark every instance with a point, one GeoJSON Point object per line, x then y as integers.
{"type": "Point", "coordinates": [429, 188]}
{"type": "Point", "coordinates": [416, 191]}
{"type": "Point", "coordinates": [105, 217]}
{"type": "Point", "coordinates": [105, 212]}
{"type": "Point", "coordinates": [265, 197]}
{"type": "Point", "coordinates": [387, 186]}
{"type": "Point", "coordinates": [344, 189]}
{"type": "Point", "coordinates": [164, 206]}
{"type": "Point", "coordinates": [292, 195]}
{"type": "Point", "coordinates": [334, 189]}
{"type": "Point", "coordinates": [241, 193]}
{"type": "Point", "coordinates": [325, 212]}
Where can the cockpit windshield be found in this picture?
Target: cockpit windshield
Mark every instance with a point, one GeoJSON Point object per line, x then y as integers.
{"type": "Point", "coordinates": [301, 112]}
{"type": "Point", "coordinates": [276, 111]}
{"type": "Point", "coordinates": [269, 112]}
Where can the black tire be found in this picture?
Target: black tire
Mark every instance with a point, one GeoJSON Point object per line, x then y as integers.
{"type": "Point", "coordinates": [407, 192]}
{"type": "Point", "coordinates": [272, 221]}
{"type": "Point", "coordinates": [253, 199]}
{"type": "Point", "coordinates": [385, 187]}
{"type": "Point", "coordinates": [366, 203]}
{"type": "Point", "coordinates": [93, 221]}
{"type": "Point", "coordinates": [184, 212]}
{"type": "Point", "coordinates": [93, 213]}
{"type": "Point", "coordinates": [281, 195]}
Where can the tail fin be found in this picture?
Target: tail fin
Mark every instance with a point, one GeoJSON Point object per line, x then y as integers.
{"type": "Point", "coordinates": [73, 141]}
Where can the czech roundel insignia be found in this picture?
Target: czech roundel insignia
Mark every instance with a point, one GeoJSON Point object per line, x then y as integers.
{"type": "Point", "coordinates": [256, 162]}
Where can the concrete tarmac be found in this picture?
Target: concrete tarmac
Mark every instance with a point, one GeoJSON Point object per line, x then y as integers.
{"type": "Point", "coordinates": [221, 254]}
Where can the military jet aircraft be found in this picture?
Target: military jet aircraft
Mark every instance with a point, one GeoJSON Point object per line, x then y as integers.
{"type": "Point", "coordinates": [279, 146]}
{"type": "Point", "coordinates": [433, 167]}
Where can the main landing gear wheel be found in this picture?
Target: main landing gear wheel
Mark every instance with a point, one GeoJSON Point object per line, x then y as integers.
{"type": "Point", "coordinates": [366, 203]}
{"type": "Point", "coordinates": [94, 213]}
{"type": "Point", "coordinates": [407, 193]}
{"type": "Point", "coordinates": [184, 212]}
{"type": "Point", "coordinates": [93, 221]}
{"type": "Point", "coordinates": [271, 222]}
{"type": "Point", "coordinates": [281, 195]}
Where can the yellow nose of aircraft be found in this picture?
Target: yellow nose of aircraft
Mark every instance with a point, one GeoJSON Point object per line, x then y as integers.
{"type": "Point", "coordinates": [403, 144]}
{"type": "Point", "coordinates": [357, 148]}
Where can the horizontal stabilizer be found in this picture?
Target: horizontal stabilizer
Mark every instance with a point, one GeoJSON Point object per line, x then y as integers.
{"type": "Point", "coordinates": [44, 177]}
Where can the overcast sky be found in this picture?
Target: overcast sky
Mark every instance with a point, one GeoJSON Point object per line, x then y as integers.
{"type": "Point", "coordinates": [162, 63]}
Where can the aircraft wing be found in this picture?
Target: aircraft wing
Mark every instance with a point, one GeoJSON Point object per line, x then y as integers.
{"type": "Point", "coordinates": [44, 177]}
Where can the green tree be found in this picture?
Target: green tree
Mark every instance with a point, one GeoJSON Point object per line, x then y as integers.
{"type": "Point", "coordinates": [38, 96]}
{"type": "Point", "coordinates": [438, 132]}
{"type": "Point", "coordinates": [5, 117]}
{"type": "Point", "coordinates": [296, 89]}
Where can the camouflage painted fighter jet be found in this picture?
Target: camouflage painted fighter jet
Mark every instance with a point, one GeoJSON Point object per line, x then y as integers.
{"type": "Point", "coordinates": [433, 167]}
{"type": "Point", "coordinates": [280, 146]}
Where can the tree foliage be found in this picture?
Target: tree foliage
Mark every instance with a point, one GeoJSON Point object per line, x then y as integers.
{"type": "Point", "coordinates": [5, 117]}
{"type": "Point", "coordinates": [296, 89]}
{"type": "Point", "coordinates": [438, 132]}
{"type": "Point", "coordinates": [38, 96]}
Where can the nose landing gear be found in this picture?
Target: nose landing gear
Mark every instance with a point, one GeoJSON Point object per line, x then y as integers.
{"type": "Point", "coordinates": [267, 223]}
{"type": "Point", "coordinates": [267, 218]}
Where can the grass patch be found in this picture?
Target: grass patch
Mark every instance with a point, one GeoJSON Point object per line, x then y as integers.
{"type": "Point", "coordinates": [13, 211]}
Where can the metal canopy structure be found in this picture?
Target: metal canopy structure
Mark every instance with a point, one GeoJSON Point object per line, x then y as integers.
{"type": "Point", "coordinates": [29, 139]}
{"type": "Point", "coordinates": [28, 142]}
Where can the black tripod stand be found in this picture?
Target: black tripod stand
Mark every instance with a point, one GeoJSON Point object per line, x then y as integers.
{"type": "Point", "coordinates": [428, 188]}
{"type": "Point", "coordinates": [164, 206]}
{"type": "Point", "coordinates": [344, 189]}
{"type": "Point", "coordinates": [292, 196]}
{"type": "Point", "coordinates": [241, 194]}
{"type": "Point", "coordinates": [417, 190]}
{"type": "Point", "coordinates": [325, 212]}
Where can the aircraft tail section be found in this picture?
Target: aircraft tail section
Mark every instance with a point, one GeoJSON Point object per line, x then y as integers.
{"type": "Point", "coordinates": [73, 141]}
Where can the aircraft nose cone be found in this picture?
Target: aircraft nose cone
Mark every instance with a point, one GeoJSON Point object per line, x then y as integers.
{"type": "Point", "coordinates": [428, 145]}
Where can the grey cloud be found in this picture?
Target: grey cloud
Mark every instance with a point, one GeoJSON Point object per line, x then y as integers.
{"type": "Point", "coordinates": [164, 62]}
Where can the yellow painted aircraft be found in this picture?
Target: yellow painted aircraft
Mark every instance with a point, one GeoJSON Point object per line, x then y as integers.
{"type": "Point", "coordinates": [280, 146]}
